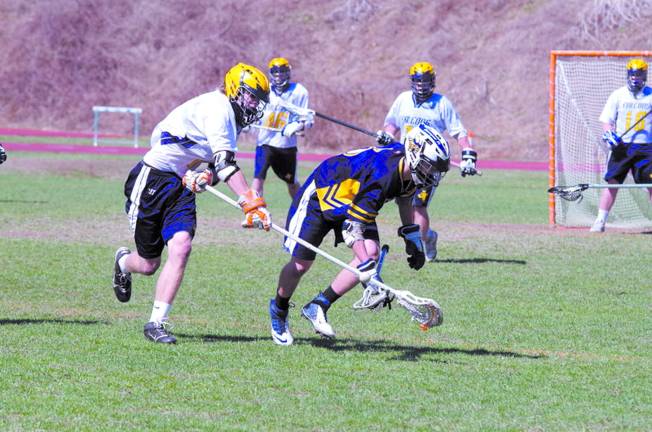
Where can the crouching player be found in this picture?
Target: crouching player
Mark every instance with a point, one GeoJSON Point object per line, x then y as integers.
{"type": "Point", "coordinates": [344, 194]}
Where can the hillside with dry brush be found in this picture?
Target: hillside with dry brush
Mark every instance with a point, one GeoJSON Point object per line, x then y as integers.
{"type": "Point", "coordinates": [61, 57]}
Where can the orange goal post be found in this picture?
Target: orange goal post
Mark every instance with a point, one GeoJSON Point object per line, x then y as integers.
{"type": "Point", "coordinates": [580, 83]}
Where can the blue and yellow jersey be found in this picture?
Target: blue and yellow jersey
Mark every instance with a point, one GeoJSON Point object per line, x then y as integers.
{"type": "Point", "coordinates": [356, 184]}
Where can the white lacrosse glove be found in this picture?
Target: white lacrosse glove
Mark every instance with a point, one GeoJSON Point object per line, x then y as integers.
{"type": "Point", "coordinates": [383, 138]}
{"type": "Point", "coordinates": [308, 119]}
{"type": "Point", "coordinates": [352, 231]}
{"type": "Point", "coordinates": [467, 166]}
{"type": "Point", "coordinates": [255, 210]}
{"type": "Point", "coordinates": [196, 181]}
{"type": "Point", "coordinates": [367, 271]}
{"type": "Point", "coordinates": [291, 128]}
{"type": "Point", "coordinates": [611, 139]}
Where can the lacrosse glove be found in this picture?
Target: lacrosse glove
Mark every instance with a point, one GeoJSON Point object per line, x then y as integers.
{"type": "Point", "coordinates": [196, 181]}
{"type": "Point", "coordinates": [3, 154]}
{"type": "Point", "coordinates": [383, 138]}
{"type": "Point", "coordinates": [291, 129]}
{"type": "Point", "coordinates": [255, 210]}
{"type": "Point", "coordinates": [611, 139]}
{"type": "Point", "coordinates": [367, 271]}
{"type": "Point", "coordinates": [467, 166]}
{"type": "Point", "coordinates": [413, 245]}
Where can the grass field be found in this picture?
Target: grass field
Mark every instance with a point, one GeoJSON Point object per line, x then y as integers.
{"type": "Point", "coordinates": [545, 329]}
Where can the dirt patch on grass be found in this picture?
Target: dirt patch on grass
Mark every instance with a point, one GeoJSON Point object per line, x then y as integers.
{"type": "Point", "coordinates": [110, 169]}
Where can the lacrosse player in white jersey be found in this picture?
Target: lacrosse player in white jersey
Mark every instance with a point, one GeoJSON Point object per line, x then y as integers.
{"type": "Point", "coordinates": [633, 150]}
{"type": "Point", "coordinates": [421, 105]}
{"type": "Point", "coordinates": [276, 145]}
{"type": "Point", "coordinates": [161, 189]}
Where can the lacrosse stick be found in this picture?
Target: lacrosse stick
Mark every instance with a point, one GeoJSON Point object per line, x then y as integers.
{"type": "Point", "coordinates": [425, 311]}
{"type": "Point", "coordinates": [309, 113]}
{"type": "Point", "coordinates": [257, 126]}
{"type": "Point", "coordinates": [574, 193]}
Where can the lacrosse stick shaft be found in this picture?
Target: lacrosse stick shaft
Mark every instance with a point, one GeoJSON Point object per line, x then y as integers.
{"type": "Point", "coordinates": [634, 125]}
{"type": "Point", "coordinates": [345, 124]}
{"type": "Point", "coordinates": [313, 248]}
{"type": "Point", "coordinates": [620, 186]}
{"type": "Point", "coordinates": [257, 126]}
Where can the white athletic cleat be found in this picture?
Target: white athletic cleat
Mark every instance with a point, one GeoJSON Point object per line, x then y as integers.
{"type": "Point", "coordinates": [598, 226]}
{"type": "Point", "coordinates": [431, 245]}
{"type": "Point", "coordinates": [317, 317]}
{"type": "Point", "coordinates": [280, 325]}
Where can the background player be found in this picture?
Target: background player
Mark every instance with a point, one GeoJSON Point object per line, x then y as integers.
{"type": "Point", "coordinates": [633, 151]}
{"type": "Point", "coordinates": [161, 189]}
{"type": "Point", "coordinates": [344, 194]}
{"type": "Point", "coordinates": [276, 145]}
{"type": "Point", "coordinates": [421, 105]}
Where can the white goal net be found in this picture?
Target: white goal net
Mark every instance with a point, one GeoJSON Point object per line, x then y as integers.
{"type": "Point", "coordinates": [580, 84]}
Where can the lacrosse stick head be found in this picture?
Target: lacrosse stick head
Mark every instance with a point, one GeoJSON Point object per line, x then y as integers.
{"type": "Point", "coordinates": [569, 193]}
{"type": "Point", "coordinates": [427, 314]}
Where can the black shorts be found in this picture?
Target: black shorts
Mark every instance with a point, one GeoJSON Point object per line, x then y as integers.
{"type": "Point", "coordinates": [633, 157]}
{"type": "Point", "coordinates": [282, 160]}
{"type": "Point", "coordinates": [422, 197]}
{"type": "Point", "coordinates": [158, 206]}
{"type": "Point", "coordinates": [306, 221]}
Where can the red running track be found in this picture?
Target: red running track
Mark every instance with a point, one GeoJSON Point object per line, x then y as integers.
{"type": "Point", "coordinates": [122, 150]}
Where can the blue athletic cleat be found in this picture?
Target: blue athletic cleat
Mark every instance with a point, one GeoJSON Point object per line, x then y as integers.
{"type": "Point", "coordinates": [280, 325]}
{"type": "Point", "coordinates": [314, 313]}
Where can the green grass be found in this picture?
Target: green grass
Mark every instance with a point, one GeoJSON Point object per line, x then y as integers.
{"type": "Point", "coordinates": [545, 329]}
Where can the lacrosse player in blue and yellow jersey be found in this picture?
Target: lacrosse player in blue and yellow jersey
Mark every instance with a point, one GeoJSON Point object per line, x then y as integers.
{"type": "Point", "coordinates": [344, 194]}
{"type": "Point", "coordinates": [421, 105]}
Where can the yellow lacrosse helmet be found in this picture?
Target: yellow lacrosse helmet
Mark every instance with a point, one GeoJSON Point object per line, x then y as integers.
{"type": "Point", "coordinates": [636, 74]}
{"type": "Point", "coordinates": [279, 72]}
{"type": "Point", "coordinates": [422, 75]}
{"type": "Point", "coordinates": [242, 82]}
{"type": "Point", "coordinates": [279, 62]}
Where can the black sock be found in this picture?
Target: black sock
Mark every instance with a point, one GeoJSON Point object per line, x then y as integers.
{"type": "Point", "coordinates": [331, 295]}
{"type": "Point", "coordinates": [282, 302]}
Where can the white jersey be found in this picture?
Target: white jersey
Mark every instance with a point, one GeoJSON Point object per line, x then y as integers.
{"type": "Point", "coordinates": [437, 111]}
{"type": "Point", "coordinates": [624, 109]}
{"type": "Point", "coordinates": [192, 133]}
{"type": "Point", "coordinates": [277, 117]}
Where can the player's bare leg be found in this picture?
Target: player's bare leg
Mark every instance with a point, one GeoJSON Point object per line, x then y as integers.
{"type": "Point", "coordinates": [293, 189]}
{"type": "Point", "coordinates": [257, 185]}
{"type": "Point", "coordinates": [316, 310]}
{"type": "Point", "coordinates": [167, 286]}
{"type": "Point", "coordinates": [607, 200]}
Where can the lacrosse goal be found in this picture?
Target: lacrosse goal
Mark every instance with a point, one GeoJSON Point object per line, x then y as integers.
{"type": "Point", "coordinates": [580, 83]}
{"type": "Point", "coordinates": [116, 138]}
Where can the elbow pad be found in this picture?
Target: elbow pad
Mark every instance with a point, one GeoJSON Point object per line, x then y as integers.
{"type": "Point", "coordinates": [224, 165]}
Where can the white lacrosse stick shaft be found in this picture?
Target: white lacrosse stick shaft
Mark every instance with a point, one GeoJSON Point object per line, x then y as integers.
{"type": "Point", "coordinates": [257, 126]}
{"type": "Point", "coordinates": [408, 296]}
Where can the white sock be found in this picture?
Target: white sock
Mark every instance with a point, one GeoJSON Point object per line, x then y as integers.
{"type": "Point", "coordinates": [122, 262]}
{"type": "Point", "coordinates": [603, 215]}
{"type": "Point", "coordinates": [160, 312]}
